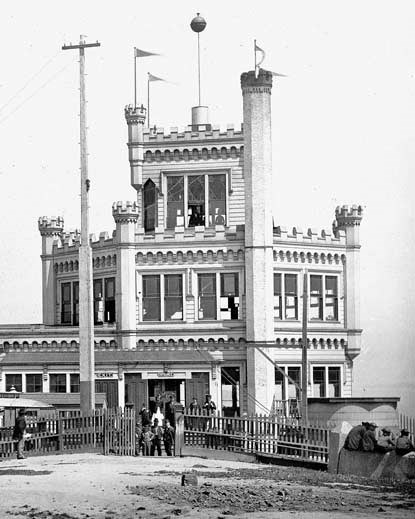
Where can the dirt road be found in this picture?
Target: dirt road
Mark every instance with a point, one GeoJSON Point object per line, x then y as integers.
{"type": "Point", "coordinates": [94, 486]}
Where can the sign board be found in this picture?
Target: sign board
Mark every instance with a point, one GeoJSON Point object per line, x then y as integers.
{"type": "Point", "coordinates": [105, 374]}
{"type": "Point", "coordinates": [168, 374]}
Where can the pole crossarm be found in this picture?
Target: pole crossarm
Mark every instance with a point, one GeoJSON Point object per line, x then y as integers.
{"type": "Point", "coordinates": [80, 46]}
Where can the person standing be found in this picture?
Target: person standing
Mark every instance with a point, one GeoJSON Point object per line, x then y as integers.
{"type": "Point", "coordinates": [157, 436]}
{"type": "Point", "coordinates": [170, 411]}
{"type": "Point", "coordinates": [194, 406]}
{"type": "Point", "coordinates": [209, 406]}
{"type": "Point", "coordinates": [168, 437]}
{"type": "Point", "coordinates": [145, 416]}
{"type": "Point", "coordinates": [147, 440]}
{"type": "Point", "coordinates": [18, 433]}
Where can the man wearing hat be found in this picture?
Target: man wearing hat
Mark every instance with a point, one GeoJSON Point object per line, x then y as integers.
{"type": "Point", "coordinates": [404, 444]}
{"type": "Point", "coordinates": [354, 438]}
{"type": "Point", "coordinates": [369, 442]}
{"type": "Point", "coordinates": [386, 440]}
{"type": "Point", "coordinates": [18, 433]}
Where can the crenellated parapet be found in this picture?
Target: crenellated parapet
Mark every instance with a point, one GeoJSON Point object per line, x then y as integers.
{"type": "Point", "coordinates": [135, 115]}
{"type": "Point", "coordinates": [190, 257]}
{"type": "Point", "coordinates": [125, 212]}
{"type": "Point", "coordinates": [325, 237]}
{"type": "Point", "coordinates": [347, 216]}
{"type": "Point", "coordinates": [50, 225]}
{"type": "Point", "coordinates": [192, 234]}
{"type": "Point", "coordinates": [68, 243]}
{"type": "Point", "coordinates": [158, 135]}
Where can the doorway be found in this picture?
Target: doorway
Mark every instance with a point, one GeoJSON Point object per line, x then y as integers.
{"type": "Point", "coordinates": [161, 389]}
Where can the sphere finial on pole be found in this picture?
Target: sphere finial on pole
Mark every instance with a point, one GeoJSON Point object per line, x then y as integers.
{"type": "Point", "coordinates": [198, 24]}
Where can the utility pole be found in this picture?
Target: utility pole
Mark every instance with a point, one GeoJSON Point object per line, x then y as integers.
{"type": "Point", "coordinates": [304, 377]}
{"type": "Point", "coordinates": [86, 321]}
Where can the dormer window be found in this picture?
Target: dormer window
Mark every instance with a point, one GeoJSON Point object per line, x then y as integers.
{"type": "Point", "coordinates": [196, 200]}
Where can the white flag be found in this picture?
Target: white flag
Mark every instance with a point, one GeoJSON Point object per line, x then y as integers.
{"type": "Point", "coordinates": [258, 49]}
{"type": "Point", "coordinates": [154, 78]}
{"type": "Point", "coordinates": [138, 53]}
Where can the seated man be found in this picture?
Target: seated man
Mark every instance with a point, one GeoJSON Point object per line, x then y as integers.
{"type": "Point", "coordinates": [354, 438]}
{"type": "Point", "coordinates": [369, 442]}
{"type": "Point", "coordinates": [404, 444]}
{"type": "Point", "coordinates": [386, 441]}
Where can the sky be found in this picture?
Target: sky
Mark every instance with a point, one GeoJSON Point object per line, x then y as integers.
{"type": "Point", "coordinates": [342, 122]}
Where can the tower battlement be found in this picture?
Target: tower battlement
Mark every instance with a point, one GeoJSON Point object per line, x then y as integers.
{"type": "Point", "coordinates": [324, 237]}
{"type": "Point", "coordinates": [50, 225]}
{"type": "Point", "coordinates": [262, 80]}
{"type": "Point", "coordinates": [125, 212]}
{"type": "Point", "coordinates": [346, 216]}
{"type": "Point", "coordinates": [135, 114]}
{"type": "Point", "coordinates": [155, 135]}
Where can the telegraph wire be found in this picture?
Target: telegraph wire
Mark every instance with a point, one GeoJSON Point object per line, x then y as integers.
{"type": "Point", "coordinates": [35, 75]}
{"type": "Point", "coordinates": [36, 91]}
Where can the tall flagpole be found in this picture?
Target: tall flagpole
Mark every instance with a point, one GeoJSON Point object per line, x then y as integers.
{"type": "Point", "coordinates": [255, 57]}
{"type": "Point", "coordinates": [197, 25]}
{"type": "Point", "coordinates": [148, 99]}
{"type": "Point", "coordinates": [135, 80]}
{"type": "Point", "coordinates": [86, 320]}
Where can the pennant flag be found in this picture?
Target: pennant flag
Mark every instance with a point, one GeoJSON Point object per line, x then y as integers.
{"type": "Point", "coordinates": [154, 78]}
{"type": "Point", "coordinates": [277, 74]}
{"type": "Point", "coordinates": [258, 49]}
{"type": "Point", "coordinates": [138, 53]}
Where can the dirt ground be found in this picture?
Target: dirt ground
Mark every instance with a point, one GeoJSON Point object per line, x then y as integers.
{"type": "Point", "coordinates": [94, 486]}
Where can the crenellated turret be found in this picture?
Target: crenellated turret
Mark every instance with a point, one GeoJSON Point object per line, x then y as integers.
{"type": "Point", "coordinates": [348, 220]}
{"type": "Point", "coordinates": [50, 229]}
{"type": "Point", "coordinates": [135, 117]}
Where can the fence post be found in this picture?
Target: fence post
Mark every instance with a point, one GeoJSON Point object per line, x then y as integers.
{"type": "Point", "coordinates": [179, 435]}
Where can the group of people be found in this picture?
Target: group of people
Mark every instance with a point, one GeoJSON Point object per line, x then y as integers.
{"type": "Point", "coordinates": [149, 438]}
{"type": "Point", "coordinates": [364, 438]}
{"type": "Point", "coordinates": [209, 407]}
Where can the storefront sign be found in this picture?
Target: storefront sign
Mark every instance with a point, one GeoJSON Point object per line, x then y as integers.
{"type": "Point", "coordinates": [106, 374]}
{"type": "Point", "coordinates": [166, 374]}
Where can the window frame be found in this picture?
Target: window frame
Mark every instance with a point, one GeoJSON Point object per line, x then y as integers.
{"type": "Point", "coordinates": [195, 172]}
{"type": "Point", "coordinates": [282, 307]}
{"type": "Point", "coordinates": [162, 297]}
{"type": "Point", "coordinates": [335, 299]}
{"type": "Point", "coordinates": [58, 385]}
{"type": "Point", "coordinates": [326, 380]}
{"type": "Point", "coordinates": [218, 284]}
{"type": "Point", "coordinates": [20, 384]}
{"type": "Point", "coordinates": [35, 385]}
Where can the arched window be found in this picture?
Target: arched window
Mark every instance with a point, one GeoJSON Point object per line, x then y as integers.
{"type": "Point", "coordinates": [150, 206]}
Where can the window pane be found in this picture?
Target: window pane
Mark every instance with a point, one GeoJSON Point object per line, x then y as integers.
{"type": "Point", "coordinates": [319, 381]}
{"type": "Point", "coordinates": [14, 381]}
{"type": "Point", "coordinates": [334, 382]}
{"type": "Point", "coordinates": [316, 298]}
{"type": "Point", "coordinates": [295, 373]}
{"type": "Point", "coordinates": [229, 284]}
{"type": "Point", "coordinates": [175, 202]}
{"type": "Point", "coordinates": [207, 296]}
{"type": "Point", "coordinates": [66, 310]}
{"type": "Point", "coordinates": [34, 383]}
{"type": "Point", "coordinates": [229, 301]}
{"type": "Point", "coordinates": [98, 302]}
{"type": "Point", "coordinates": [173, 297]}
{"type": "Point", "coordinates": [151, 298]}
{"type": "Point", "coordinates": [277, 297]}
{"type": "Point", "coordinates": [150, 206]}
{"type": "Point", "coordinates": [75, 303]}
{"type": "Point", "coordinates": [196, 200]}
{"type": "Point", "coordinates": [109, 310]}
{"type": "Point", "coordinates": [279, 384]}
{"type": "Point", "coordinates": [331, 298]}
{"type": "Point", "coordinates": [74, 383]}
{"type": "Point", "coordinates": [291, 299]}
{"type": "Point", "coordinates": [217, 200]}
{"type": "Point", "coordinates": [57, 383]}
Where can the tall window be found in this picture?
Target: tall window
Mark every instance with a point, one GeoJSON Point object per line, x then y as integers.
{"type": "Point", "coordinates": [75, 310]}
{"type": "Point", "coordinates": [109, 315]}
{"type": "Point", "coordinates": [230, 382]}
{"type": "Point", "coordinates": [229, 295]}
{"type": "Point", "coordinates": [331, 306]}
{"type": "Point", "coordinates": [74, 383]}
{"type": "Point", "coordinates": [34, 383]}
{"type": "Point", "coordinates": [334, 381]}
{"type": "Point", "coordinates": [151, 298]}
{"type": "Point", "coordinates": [194, 200]}
{"type": "Point", "coordinates": [98, 302]}
{"type": "Point", "coordinates": [285, 296]}
{"type": "Point", "coordinates": [57, 383]}
{"type": "Point", "coordinates": [175, 202]}
{"type": "Point", "coordinates": [14, 381]}
{"type": "Point", "coordinates": [207, 296]}
{"type": "Point", "coordinates": [294, 372]}
{"type": "Point", "coordinates": [319, 381]}
{"type": "Point", "coordinates": [150, 206]}
{"type": "Point", "coordinates": [173, 297]}
{"type": "Point", "coordinates": [66, 304]}
{"type": "Point", "coordinates": [316, 298]}
{"type": "Point", "coordinates": [280, 384]}
{"type": "Point", "coordinates": [324, 298]}
{"type": "Point", "coordinates": [217, 200]}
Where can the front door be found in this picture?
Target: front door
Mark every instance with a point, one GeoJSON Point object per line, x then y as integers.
{"type": "Point", "coordinates": [136, 390]}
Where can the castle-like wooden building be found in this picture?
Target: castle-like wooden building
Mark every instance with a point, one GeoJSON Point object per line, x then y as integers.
{"type": "Point", "coordinates": [196, 281]}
